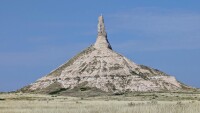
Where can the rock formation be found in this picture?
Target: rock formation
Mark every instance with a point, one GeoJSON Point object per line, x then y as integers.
{"type": "Point", "coordinates": [100, 67]}
{"type": "Point", "coordinates": [102, 41]}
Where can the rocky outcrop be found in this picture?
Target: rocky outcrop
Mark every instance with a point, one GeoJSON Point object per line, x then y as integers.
{"type": "Point", "coordinates": [100, 67]}
{"type": "Point", "coordinates": [102, 41]}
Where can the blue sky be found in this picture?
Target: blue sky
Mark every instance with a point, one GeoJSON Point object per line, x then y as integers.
{"type": "Point", "coordinates": [39, 35]}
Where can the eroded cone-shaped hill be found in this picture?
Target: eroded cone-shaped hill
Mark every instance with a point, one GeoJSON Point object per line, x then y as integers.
{"type": "Point", "coordinates": [99, 67]}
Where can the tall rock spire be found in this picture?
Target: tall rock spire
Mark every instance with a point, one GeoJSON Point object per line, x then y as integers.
{"type": "Point", "coordinates": [101, 27]}
{"type": "Point", "coordinates": [102, 41]}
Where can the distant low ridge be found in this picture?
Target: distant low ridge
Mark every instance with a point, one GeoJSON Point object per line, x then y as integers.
{"type": "Point", "coordinates": [101, 70]}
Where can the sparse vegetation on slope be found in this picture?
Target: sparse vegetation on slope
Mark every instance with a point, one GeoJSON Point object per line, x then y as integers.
{"type": "Point", "coordinates": [58, 71]}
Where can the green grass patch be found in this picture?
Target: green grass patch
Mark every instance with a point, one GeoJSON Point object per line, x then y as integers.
{"type": "Point", "coordinates": [85, 88]}
{"type": "Point", "coordinates": [57, 91]}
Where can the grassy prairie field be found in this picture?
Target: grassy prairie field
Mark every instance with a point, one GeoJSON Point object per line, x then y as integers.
{"type": "Point", "coordinates": [133, 103]}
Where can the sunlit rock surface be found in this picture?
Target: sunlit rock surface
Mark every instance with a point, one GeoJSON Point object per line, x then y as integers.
{"type": "Point", "coordinates": [100, 67]}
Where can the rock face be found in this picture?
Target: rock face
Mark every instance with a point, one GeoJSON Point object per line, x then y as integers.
{"type": "Point", "coordinates": [100, 67]}
{"type": "Point", "coordinates": [102, 41]}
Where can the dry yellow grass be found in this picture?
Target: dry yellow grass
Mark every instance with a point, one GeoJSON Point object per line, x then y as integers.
{"type": "Point", "coordinates": [26, 103]}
